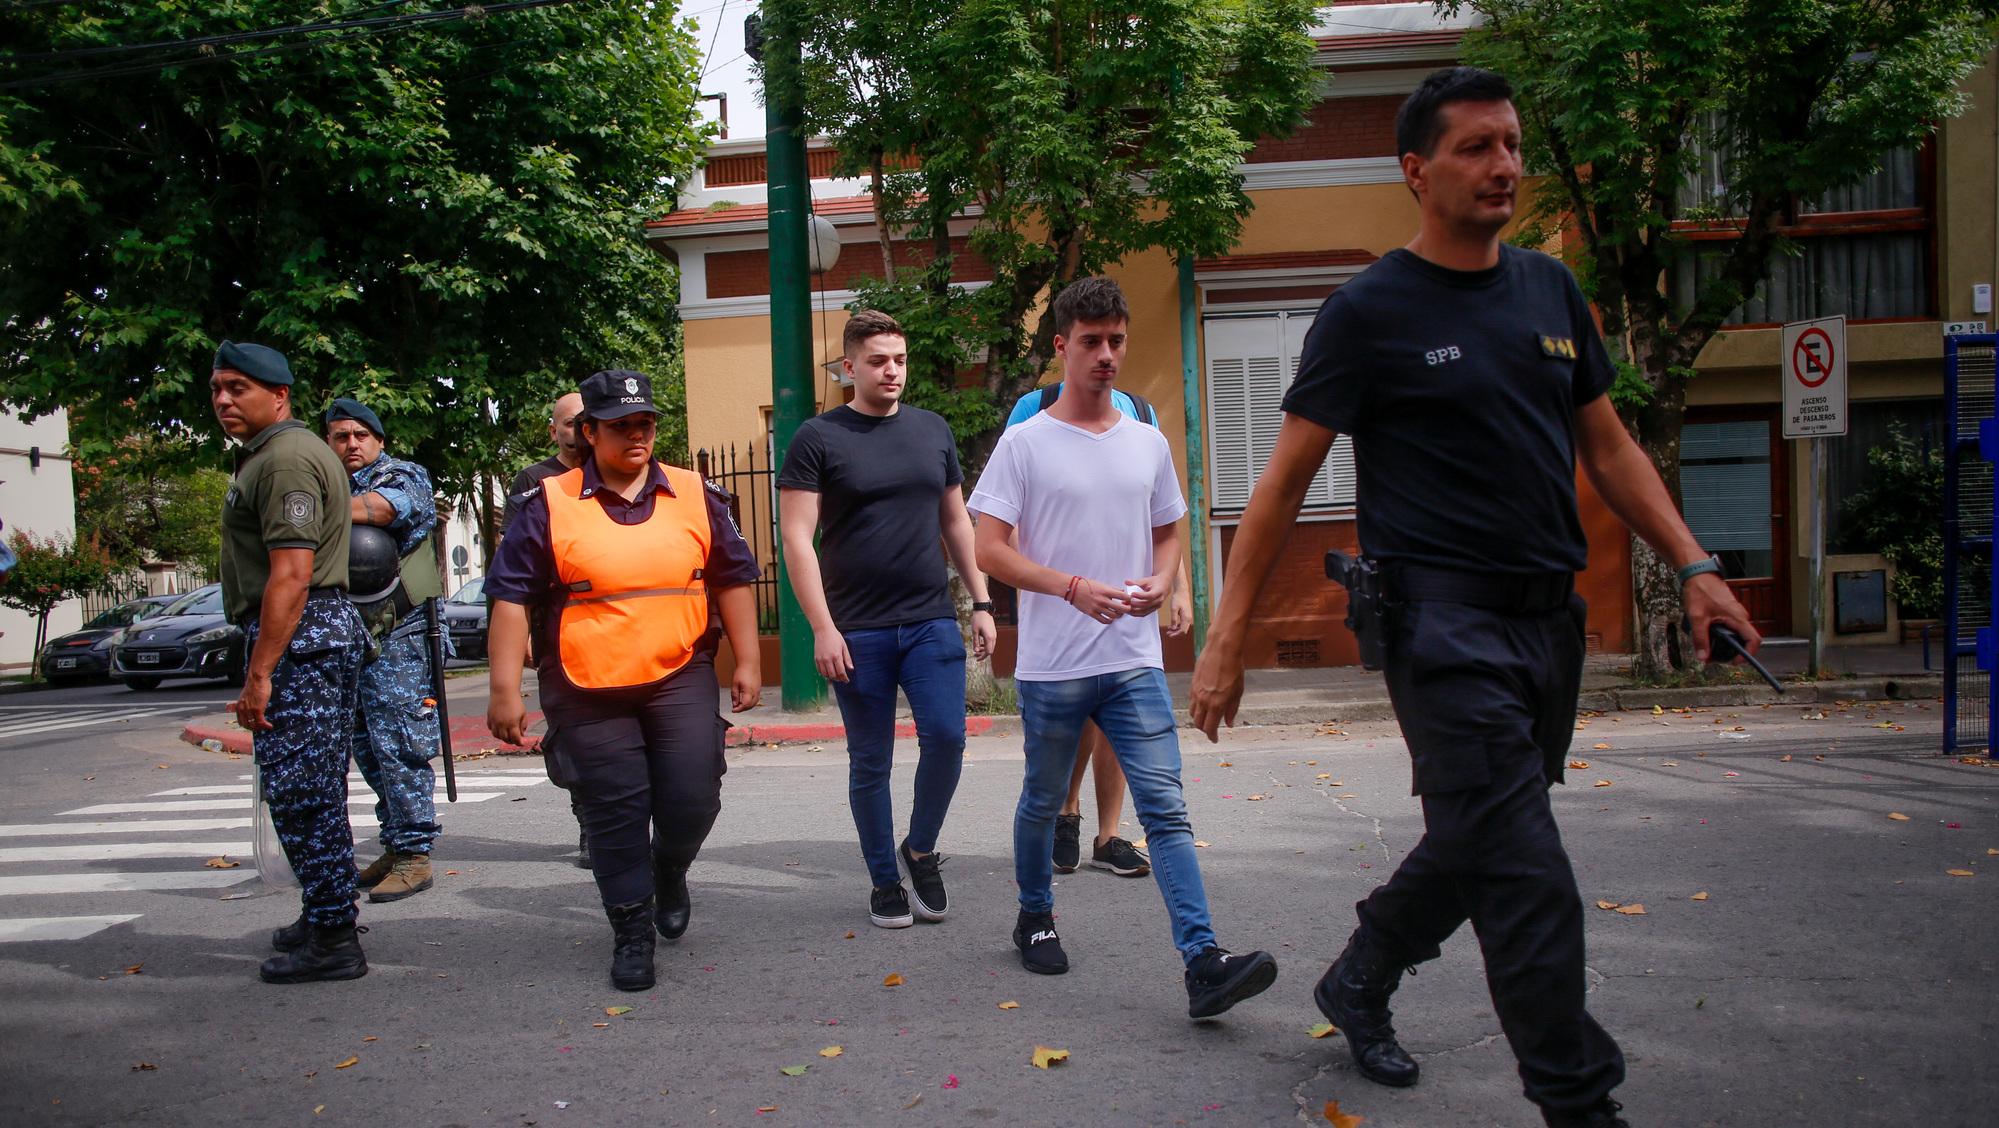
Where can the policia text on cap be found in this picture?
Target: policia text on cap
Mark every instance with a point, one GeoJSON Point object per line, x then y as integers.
{"type": "Point", "coordinates": [619, 558]}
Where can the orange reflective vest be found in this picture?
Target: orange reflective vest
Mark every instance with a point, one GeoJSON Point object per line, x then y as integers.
{"type": "Point", "coordinates": [636, 606]}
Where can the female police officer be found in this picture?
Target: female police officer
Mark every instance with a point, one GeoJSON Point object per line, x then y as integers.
{"type": "Point", "coordinates": [620, 557]}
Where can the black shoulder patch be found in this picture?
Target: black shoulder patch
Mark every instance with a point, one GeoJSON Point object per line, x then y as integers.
{"type": "Point", "coordinates": [714, 488]}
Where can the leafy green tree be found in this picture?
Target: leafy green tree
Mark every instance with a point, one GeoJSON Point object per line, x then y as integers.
{"type": "Point", "coordinates": [1071, 133]}
{"type": "Point", "coordinates": [1622, 100]}
{"type": "Point", "coordinates": [145, 500]}
{"type": "Point", "coordinates": [46, 572]}
{"type": "Point", "coordinates": [1899, 513]}
{"type": "Point", "coordinates": [443, 220]}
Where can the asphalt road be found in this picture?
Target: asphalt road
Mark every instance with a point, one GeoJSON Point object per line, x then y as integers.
{"type": "Point", "coordinates": [1835, 973]}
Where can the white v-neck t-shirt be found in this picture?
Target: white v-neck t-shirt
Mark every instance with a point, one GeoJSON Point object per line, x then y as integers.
{"type": "Point", "coordinates": [1085, 504]}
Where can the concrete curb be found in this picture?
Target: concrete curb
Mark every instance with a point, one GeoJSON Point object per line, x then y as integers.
{"type": "Point", "coordinates": [468, 733]}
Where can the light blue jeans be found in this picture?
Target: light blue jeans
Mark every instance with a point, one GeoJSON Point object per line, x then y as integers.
{"type": "Point", "coordinates": [1135, 711]}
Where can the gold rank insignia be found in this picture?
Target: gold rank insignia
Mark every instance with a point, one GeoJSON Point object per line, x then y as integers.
{"type": "Point", "coordinates": [1561, 347]}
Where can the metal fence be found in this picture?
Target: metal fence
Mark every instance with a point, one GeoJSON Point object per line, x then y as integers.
{"type": "Point", "coordinates": [133, 584]}
{"type": "Point", "coordinates": [1969, 392]}
{"type": "Point", "coordinates": [746, 475]}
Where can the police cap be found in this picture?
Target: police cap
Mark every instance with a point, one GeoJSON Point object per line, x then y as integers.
{"type": "Point", "coordinates": [344, 408]}
{"type": "Point", "coordinates": [261, 363]}
{"type": "Point", "coordinates": [616, 393]}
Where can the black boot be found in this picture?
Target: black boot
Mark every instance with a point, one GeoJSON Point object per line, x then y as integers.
{"type": "Point", "coordinates": [1602, 1114]}
{"type": "Point", "coordinates": [327, 954]}
{"type": "Point", "coordinates": [1353, 995]}
{"type": "Point", "coordinates": [669, 882]}
{"type": "Point", "coordinates": [631, 957]}
{"type": "Point", "coordinates": [291, 937]}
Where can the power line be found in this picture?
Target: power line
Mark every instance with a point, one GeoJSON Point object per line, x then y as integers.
{"type": "Point", "coordinates": [712, 38]}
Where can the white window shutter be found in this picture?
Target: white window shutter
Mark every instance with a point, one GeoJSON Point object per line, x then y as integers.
{"type": "Point", "coordinates": [1251, 362]}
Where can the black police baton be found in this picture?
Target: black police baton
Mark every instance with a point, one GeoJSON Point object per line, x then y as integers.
{"type": "Point", "coordinates": [1724, 644]}
{"type": "Point", "coordinates": [434, 634]}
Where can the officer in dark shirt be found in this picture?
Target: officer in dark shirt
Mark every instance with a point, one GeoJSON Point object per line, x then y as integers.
{"type": "Point", "coordinates": [285, 534]}
{"type": "Point", "coordinates": [1472, 380]}
{"type": "Point", "coordinates": [619, 559]}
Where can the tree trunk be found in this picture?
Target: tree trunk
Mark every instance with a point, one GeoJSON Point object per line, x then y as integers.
{"type": "Point", "coordinates": [1660, 644]}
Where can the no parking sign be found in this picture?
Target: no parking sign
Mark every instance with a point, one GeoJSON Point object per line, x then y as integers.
{"type": "Point", "coordinates": [1814, 368]}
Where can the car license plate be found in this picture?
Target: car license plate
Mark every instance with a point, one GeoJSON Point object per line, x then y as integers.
{"type": "Point", "coordinates": [65, 663]}
{"type": "Point", "coordinates": [146, 659]}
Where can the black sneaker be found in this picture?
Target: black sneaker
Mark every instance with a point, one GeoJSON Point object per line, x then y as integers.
{"type": "Point", "coordinates": [926, 884]}
{"type": "Point", "coordinates": [888, 907]}
{"type": "Point", "coordinates": [1040, 949]}
{"type": "Point", "coordinates": [1602, 1114]}
{"type": "Point", "coordinates": [1219, 979]}
{"type": "Point", "coordinates": [1120, 857]}
{"type": "Point", "coordinates": [1068, 842]}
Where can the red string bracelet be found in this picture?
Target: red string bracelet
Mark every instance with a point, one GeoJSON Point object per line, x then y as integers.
{"type": "Point", "coordinates": [1069, 596]}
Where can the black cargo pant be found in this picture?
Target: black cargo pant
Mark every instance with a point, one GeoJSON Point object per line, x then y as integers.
{"type": "Point", "coordinates": [644, 768]}
{"type": "Point", "coordinates": [1486, 700]}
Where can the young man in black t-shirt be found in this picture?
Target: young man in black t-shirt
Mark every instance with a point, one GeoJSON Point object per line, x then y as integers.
{"type": "Point", "coordinates": [879, 481]}
{"type": "Point", "coordinates": [1472, 380]}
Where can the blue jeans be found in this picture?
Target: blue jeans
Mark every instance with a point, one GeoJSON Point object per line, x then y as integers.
{"type": "Point", "coordinates": [927, 660]}
{"type": "Point", "coordinates": [1135, 711]}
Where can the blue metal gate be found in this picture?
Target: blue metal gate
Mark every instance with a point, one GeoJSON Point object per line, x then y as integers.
{"type": "Point", "coordinates": [1971, 584]}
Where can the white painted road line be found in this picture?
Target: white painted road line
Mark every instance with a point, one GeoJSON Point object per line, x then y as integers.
{"type": "Point", "coordinates": [58, 928]}
{"type": "Point", "coordinates": [244, 788]}
{"type": "Point", "coordinates": [33, 727]}
{"type": "Point", "coordinates": [118, 851]}
{"type": "Point", "coordinates": [228, 805]}
{"type": "Point", "coordinates": [51, 884]}
{"type": "Point", "coordinates": [146, 826]}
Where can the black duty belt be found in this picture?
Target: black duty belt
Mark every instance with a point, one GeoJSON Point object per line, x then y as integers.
{"type": "Point", "coordinates": [325, 592]}
{"type": "Point", "coordinates": [1496, 591]}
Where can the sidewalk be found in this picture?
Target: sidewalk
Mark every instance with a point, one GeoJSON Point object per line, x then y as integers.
{"type": "Point", "coordinates": [1270, 697]}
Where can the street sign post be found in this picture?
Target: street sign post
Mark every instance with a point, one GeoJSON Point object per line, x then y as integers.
{"type": "Point", "coordinates": [1813, 362]}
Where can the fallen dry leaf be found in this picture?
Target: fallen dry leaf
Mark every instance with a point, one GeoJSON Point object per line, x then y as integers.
{"type": "Point", "coordinates": [1323, 1030]}
{"type": "Point", "coordinates": [1045, 1056]}
{"type": "Point", "coordinates": [831, 1052]}
{"type": "Point", "coordinates": [1700, 896]}
{"type": "Point", "coordinates": [616, 1011]}
{"type": "Point", "coordinates": [1601, 783]}
{"type": "Point", "coordinates": [1670, 764]}
{"type": "Point", "coordinates": [1960, 873]}
{"type": "Point", "coordinates": [1200, 845]}
{"type": "Point", "coordinates": [1323, 775]}
{"type": "Point", "coordinates": [1601, 746]}
{"type": "Point", "coordinates": [1340, 1119]}
{"type": "Point", "coordinates": [1607, 904]}
{"type": "Point", "coordinates": [766, 1108]}
{"type": "Point", "coordinates": [1009, 1005]}
{"type": "Point", "coordinates": [221, 863]}
{"type": "Point", "coordinates": [135, 969]}
{"type": "Point", "coordinates": [317, 1109]}
{"type": "Point", "coordinates": [1630, 910]}
{"type": "Point", "coordinates": [1254, 799]}
{"type": "Point", "coordinates": [1224, 764]}
{"type": "Point", "coordinates": [1784, 759]}
{"type": "Point", "coordinates": [1992, 852]}
{"type": "Point", "coordinates": [1657, 712]}
{"type": "Point", "coordinates": [1898, 816]}
{"type": "Point", "coordinates": [145, 1067]}
{"type": "Point", "coordinates": [601, 1025]}
{"type": "Point", "coordinates": [794, 1070]}
{"type": "Point", "coordinates": [894, 979]}
{"type": "Point", "coordinates": [1579, 765]}
{"type": "Point", "coordinates": [349, 1063]}
{"type": "Point", "coordinates": [850, 936]}
{"type": "Point", "coordinates": [371, 1038]}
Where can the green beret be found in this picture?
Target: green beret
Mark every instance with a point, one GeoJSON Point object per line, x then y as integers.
{"type": "Point", "coordinates": [261, 363]}
{"type": "Point", "coordinates": [344, 408]}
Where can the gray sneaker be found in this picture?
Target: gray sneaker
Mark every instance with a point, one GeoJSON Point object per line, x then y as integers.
{"type": "Point", "coordinates": [1120, 857]}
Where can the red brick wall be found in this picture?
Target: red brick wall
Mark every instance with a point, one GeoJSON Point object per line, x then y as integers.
{"type": "Point", "coordinates": [1340, 128]}
{"type": "Point", "coordinates": [738, 274]}
{"type": "Point", "coordinates": [1300, 616]}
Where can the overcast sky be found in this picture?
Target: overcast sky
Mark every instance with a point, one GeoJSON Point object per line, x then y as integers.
{"type": "Point", "coordinates": [725, 69]}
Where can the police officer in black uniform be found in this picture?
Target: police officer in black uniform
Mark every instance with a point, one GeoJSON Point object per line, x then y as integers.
{"type": "Point", "coordinates": [285, 540]}
{"type": "Point", "coordinates": [1472, 379]}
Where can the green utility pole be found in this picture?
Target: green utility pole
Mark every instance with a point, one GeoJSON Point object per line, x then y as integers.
{"type": "Point", "coordinates": [1197, 458]}
{"type": "Point", "coordinates": [774, 40]}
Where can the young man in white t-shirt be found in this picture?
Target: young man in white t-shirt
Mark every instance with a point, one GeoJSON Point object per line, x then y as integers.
{"type": "Point", "coordinates": [1096, 503]}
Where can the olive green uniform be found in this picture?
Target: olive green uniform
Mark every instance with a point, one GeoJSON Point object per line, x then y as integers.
{"type": "Point", "coordinates": [291, 492]}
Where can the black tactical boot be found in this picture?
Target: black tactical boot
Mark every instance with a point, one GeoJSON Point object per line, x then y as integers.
{"type": "Point", "coordinates": [631, 956]}
{"type": "Point", "coordinates": [327, 954]}
{"type": "Point", "coordinates": [1602, 1114]}
{"type": "Point", "coordinates": [291, 937]}
{"type": "Point", "coordinates": [669, 883]}
{"type": "Point", "coordinates": [1353, 995]}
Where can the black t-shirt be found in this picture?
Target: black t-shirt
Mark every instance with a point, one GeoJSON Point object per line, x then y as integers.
{"type": "Point", "coordinates": [880, 480]}
{"type": "Point", "coordinates": [1460, 390]}
{"type": "Point", "coordinates": [527, 479]}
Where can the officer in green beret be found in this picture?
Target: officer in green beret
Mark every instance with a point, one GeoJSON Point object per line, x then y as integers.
{"type": "Point", "coordinates": [285, 533]}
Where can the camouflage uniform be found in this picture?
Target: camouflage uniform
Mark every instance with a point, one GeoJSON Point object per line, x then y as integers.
{"type": "Point", "coordinates": [395, 731]}
{"type": "Point", "coordinates": [303, 758]}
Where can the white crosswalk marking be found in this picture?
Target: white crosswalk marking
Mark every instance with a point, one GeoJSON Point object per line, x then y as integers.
{"type": "Point", "coordinates": [182, 844]}
{"type": "Point", "coordinates": [30, 723]}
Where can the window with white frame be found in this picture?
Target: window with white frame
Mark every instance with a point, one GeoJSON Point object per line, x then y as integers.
{"type": "Point", "coordinates": [1251, 361]}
